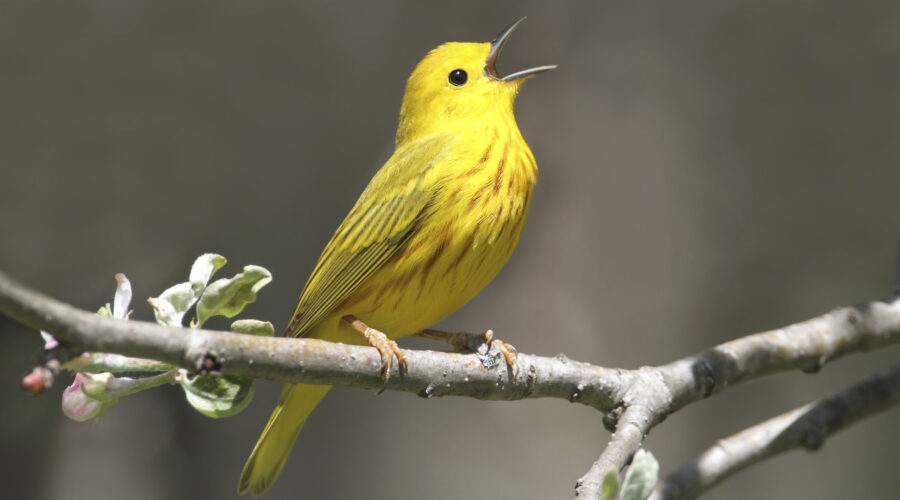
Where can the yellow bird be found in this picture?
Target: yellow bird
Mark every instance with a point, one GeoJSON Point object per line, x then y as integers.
{"type": "Point", "coordinates": [433, 227]}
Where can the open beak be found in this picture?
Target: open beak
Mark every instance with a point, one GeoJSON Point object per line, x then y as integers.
{"type": "Point", "coordinates": [497, 46]}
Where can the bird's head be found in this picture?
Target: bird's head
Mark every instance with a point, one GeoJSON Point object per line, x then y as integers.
{"type": "Point", "coordinates": [457, 85]}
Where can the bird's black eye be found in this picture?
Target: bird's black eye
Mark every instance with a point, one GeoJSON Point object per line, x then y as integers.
{"type": "Point", "coordinates": [458, 77]}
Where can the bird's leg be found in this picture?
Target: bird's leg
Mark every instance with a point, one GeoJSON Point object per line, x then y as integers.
{"type": "Point", "coordinates": [463, 341]}
{"type": "Point", "coordinates": [459, 341]}
{"type": "Point", "coordinates": [387, 348]}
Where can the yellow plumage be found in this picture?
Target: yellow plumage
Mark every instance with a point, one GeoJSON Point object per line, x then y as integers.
{"type": "Point", "coordinates": [434, 226]}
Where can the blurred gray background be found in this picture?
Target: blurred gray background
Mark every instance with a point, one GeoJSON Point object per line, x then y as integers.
{"type": "Point", "coordinates": [707, 170]}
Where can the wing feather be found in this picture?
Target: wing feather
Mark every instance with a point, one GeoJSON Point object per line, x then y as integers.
{"type": "Point", "coordinates": [383, 218]}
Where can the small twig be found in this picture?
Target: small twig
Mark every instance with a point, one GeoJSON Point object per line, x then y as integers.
{"type": "Point", "coordinates": [640, 410]}
{"type": "Point", "coordinates": [113, 363]}
{"type": "Point", "coordinates": [805, 427]}
{"type": "Point", "coordinates": [125, 386]}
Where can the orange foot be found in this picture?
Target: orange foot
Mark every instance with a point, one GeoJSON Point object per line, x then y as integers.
{"type": "Point", "coordinates": [463, 341]}
{"type": "Point", "coordinates": [387, 348]}
{"type": "Point", "coordinates": [507, 350]}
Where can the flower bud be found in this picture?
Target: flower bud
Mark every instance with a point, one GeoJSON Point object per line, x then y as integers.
{"type": "Point", "coordinates": [38, 381]}
{"type": "Point", "coordinates": [80, 400]}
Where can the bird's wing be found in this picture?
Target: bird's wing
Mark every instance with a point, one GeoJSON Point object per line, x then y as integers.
{"type": "Point", "coordinates": [384, 216]}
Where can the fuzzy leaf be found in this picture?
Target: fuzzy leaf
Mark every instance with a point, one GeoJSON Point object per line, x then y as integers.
{"type": "Point", "coordinates": [204, 267]}
{"type": "Point", "coordinates": [253, 327]}
{"type": "Point", "coordinates": [641, 477]}
{"type": "Point", "coordinates": [227, 297]}
{"type": "Point", "coordinates": [171, 305]}
{"type": "Point", "coordinates": [610, 484]}
{"type": "Point", "coordinates": [218, 396]}
{"type": "Point", "coordinates": [165, 312]}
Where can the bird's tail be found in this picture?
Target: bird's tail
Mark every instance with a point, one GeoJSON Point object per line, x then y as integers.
{"type": "Point", "coordinates": [271, 451]}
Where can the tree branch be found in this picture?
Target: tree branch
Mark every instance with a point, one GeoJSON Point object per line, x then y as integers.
{"type": "Point", "coordinates": [634, 400]}
{"type": "Point", "coordinates": [659, 391]}
{"type": "Point", "coordinates": [430, 374]}
{"type": "Point", "coordinates": [807, 427]}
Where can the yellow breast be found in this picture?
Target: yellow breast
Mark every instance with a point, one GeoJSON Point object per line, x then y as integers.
{"type": "Point", "coordinates": [462, 241]}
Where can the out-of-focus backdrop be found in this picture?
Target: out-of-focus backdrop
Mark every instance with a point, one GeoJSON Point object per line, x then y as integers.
{"type": "Point", "coordinates": [707, 170]}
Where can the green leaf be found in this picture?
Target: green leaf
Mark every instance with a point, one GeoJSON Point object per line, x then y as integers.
{"type": "Point", "coordinates": [171, 305]}
{"type": "Point", "coordinates": [610, 484]}
{"type": "Point", "coordinates": [641, 477]}
{"type": "Point", "coordinates": [204, 267]}
{"type": "Point", "coordinates": [227, 297]}
{"type": "Point", "coordinates": [253, 327]}
{"type": "Point", "coordinates": [218, 396]}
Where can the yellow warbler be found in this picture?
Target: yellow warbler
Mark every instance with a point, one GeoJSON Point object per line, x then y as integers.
{"type": "Point", "coordinates": [433, 227]}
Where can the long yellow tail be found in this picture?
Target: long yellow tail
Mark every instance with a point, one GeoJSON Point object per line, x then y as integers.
{"type": "Point", "coordinates": [297, 401]}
